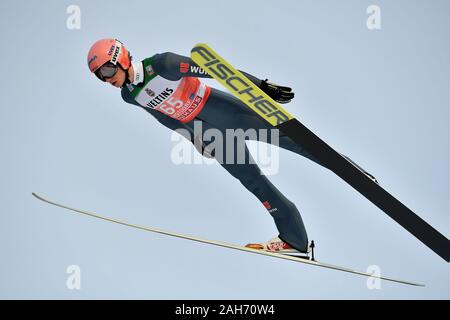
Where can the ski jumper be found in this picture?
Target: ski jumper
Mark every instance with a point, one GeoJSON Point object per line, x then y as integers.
{"type": "Point", "coordinates": [167, 86]}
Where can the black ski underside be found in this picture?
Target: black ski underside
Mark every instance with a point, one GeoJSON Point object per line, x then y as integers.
{"type": "Point", "coordinates": [368, 188]}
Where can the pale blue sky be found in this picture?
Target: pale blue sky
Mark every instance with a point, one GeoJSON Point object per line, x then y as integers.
{"type": "Point", "coordinates": [381, 97]}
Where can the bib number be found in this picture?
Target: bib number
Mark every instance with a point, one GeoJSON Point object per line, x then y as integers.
{"type": "Point", "coordinates": [171, 106]}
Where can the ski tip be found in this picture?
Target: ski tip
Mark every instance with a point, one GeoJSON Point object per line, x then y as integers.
{"type": "Point", "coordinates": [420, 285]}
{"type": "Point", "coordinates": [200, 45]}
{"type": "Point", "coordinates": [408, 283]}
{"type": "Point", "coordinates": [34, 194]}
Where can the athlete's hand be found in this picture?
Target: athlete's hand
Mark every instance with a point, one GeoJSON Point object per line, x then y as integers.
{"type": "Point", "coordinates": [278, 93]}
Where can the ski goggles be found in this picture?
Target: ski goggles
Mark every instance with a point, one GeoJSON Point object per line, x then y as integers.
{"type": "Point", "coordinates": [108, 70]}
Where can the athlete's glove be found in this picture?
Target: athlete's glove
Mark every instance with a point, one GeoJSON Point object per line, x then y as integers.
{"type": "Point", "coordinates": [278, 93]}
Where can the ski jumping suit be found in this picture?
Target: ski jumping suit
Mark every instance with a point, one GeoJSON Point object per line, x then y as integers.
{"type": "Point", "coordinates": [167, 86]}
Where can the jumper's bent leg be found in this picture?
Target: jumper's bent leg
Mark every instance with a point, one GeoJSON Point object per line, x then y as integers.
{"type": "Point", "coordinates": [285, 214]}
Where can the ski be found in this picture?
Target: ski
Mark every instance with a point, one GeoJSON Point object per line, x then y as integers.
{"type": "Point", "coordinates": [225, 245]}
{"type": "Point", "coordinates": [270, 111]}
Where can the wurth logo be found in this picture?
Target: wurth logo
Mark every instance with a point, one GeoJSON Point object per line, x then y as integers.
{"type": "Point", "coordinates": [186, 67]}
{"type": "Point", "coordinates": [197, 70]}
{"type": "Point", "coordinates": [269, 207]}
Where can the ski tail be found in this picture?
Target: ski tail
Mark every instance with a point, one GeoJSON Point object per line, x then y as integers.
{"type": "Point", "coordinates": [418, 227]}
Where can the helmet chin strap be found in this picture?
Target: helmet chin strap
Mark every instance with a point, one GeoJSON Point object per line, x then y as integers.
{"type": "Point", "coordinates": [127, 76]}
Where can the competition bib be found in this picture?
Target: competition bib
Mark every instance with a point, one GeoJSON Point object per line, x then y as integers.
{"type": "Point", "coordinates": [182, 99]}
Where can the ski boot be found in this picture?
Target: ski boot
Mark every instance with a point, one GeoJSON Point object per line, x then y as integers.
{"type": "Point", "coordinates": [277, 245]}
